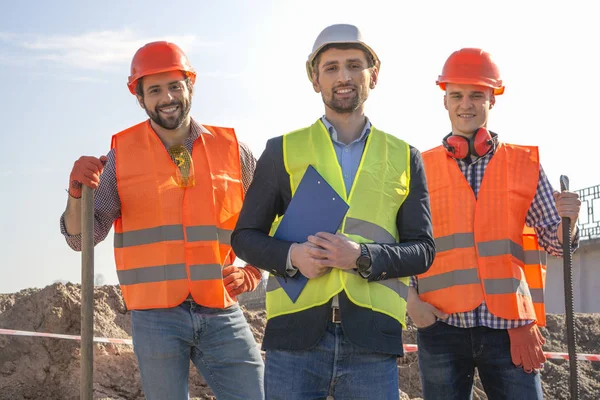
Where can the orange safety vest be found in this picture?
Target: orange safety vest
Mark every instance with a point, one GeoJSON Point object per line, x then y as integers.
{"type": "Point", "coordinates": [172, 241]}
{"type": "Point", "coordinates": [482, 252]}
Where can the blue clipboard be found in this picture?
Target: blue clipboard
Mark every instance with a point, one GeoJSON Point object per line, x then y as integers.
{"type": "Point", "coordinates": [315, 207]}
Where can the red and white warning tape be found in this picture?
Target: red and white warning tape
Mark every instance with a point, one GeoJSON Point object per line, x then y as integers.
{"type": "Point", "coordinates": [59, 336]}
{"type": "Point", "coordinates": [409, 348]}
{"type": "Point", "coordinates": [565, 356]}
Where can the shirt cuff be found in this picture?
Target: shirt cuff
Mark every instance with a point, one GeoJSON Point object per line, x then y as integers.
{"type": "Point", "coordinates": [290, 270]}
{"type": "Point", "coordinates": [414, 282]}
{"type": "Point", "coordinates": [74, 241]}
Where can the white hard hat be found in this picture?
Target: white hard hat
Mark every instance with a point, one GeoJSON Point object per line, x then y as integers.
{"type": "Point", "coordinates": [339, 33]}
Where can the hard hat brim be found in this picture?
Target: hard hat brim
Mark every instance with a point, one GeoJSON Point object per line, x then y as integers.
{"type": "Point", "coordinates": [498, 90]}
{"type": "Point", "coordinates": [132, 82]}
{"type": "Point", "coordinates": [315, 53]}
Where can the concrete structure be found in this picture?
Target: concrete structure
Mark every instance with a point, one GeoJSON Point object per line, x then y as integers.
{"type": "Point", "coordinates": [586, 280]}
{"type": "Point", "coordinates": [586, 262]}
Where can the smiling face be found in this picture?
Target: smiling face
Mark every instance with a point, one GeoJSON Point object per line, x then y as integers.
{"type": "Point", "coordinates": [468, 107]}
{"type": "Point", "coordinates": [344, 79]}
{"type": "Point", "coordinates": [166, 98]}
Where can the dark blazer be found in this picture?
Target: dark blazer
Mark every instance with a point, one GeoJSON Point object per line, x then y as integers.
{"type": "Point", "coordinates": [269, 195]}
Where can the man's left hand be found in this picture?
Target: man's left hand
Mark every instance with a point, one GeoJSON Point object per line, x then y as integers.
{"type": "Point", "coordinates": [238, 280]}
{"type": "Point", "coordinates": [335, 251]}
{"type": "Point", "coordinates": [568, 206]}
{"type": "Point", "coordinates": [526, 347]}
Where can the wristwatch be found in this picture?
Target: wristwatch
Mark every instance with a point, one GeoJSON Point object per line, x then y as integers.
{"type": "Point", "coordinates": [363, 262]}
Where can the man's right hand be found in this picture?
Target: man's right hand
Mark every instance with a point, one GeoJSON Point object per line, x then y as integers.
{"type": "Point", "coordinates": [422, 313]}
{"type": "Point", "coordinates": [86, 171]}
{"type": "Point", "coordinates": [306, 263]}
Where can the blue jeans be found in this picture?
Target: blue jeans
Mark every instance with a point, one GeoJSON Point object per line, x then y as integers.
{"type": "Point", "coordinates": [448, 356]}
{"type": "Point", "coordinates": [334, 367]}
{"type": "Point", "coordinates": [218, 341]}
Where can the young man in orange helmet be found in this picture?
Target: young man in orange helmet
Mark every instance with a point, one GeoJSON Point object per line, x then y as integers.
{"type": "Point", "coordinates": [174, 190]}
{"type": "Point", "coordinates": [494, 215]}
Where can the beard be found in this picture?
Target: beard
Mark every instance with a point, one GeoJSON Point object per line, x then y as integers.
{"type": "Point", "coordinates": [171, 122]}
{"type": "Point", "coordinates": [347, 105]}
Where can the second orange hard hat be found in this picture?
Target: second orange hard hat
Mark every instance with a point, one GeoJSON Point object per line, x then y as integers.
{"type": "Point", "coordinates": [471, 66]}
{"type": "Point", "coordinates": [157, 57]}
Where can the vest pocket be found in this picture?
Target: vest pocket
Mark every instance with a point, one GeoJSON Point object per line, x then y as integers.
{"type": "Point", "coordinates": [387, 325]}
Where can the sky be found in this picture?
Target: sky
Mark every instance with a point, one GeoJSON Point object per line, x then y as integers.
{"type": "Point", "coordinates": [64, 67]}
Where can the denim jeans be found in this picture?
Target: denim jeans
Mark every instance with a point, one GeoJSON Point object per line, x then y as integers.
{"type": "Point", "coordinates": [449, 355]}
{"type": "Point", "coordinates": [218, 341]}
{"type": "Point", "coordinates": [334, 367]}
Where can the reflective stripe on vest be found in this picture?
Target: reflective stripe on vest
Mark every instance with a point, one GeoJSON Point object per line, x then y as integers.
{"type": "Point", "coordinates": [471, 276]}
{"type": "Point", "coordinates": [368, 230]}
{"type": "Point", "coordinates": [376, 183]}
{"type": "Point", "coordinates": [166, 246]}
{"type": "Point", "coordinates": [535, 273]}
{"type": "Point", "coordinates": [476, 254]}
{"type": "Point", "coordinates": [172, 232]}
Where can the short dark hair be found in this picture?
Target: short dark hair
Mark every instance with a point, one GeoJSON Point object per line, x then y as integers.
{"type": "Point", "coordinates": [343, 46]}
{"type": "Point", "coordinates": [139, 86]}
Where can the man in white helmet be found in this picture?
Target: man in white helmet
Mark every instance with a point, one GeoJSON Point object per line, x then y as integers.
{"type": "Point", "coordinates": [342, 335]}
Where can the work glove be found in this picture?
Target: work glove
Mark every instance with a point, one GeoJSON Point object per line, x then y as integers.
{"type": "Point", "coordinates": [526, 347]}
{"type": "Point", "coordinates": [86, 171]}
{"type": "Point", "coordinates": [239, 280]}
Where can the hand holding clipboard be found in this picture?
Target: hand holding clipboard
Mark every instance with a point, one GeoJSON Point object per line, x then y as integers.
{"type": "Point", "coordinates": [315, 207]}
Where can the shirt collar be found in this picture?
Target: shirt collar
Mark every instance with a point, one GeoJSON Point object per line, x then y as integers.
{"type": "Point", "coordinates": [196, 129]}
{"type": "Point", "coordinates": [334, 136]}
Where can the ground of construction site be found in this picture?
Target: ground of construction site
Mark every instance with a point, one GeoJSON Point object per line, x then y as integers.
{"type": "Point", "coordinates": [49, 368]}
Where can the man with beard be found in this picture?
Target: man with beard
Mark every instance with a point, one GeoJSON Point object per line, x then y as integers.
{"type": "Point", "coordinates": [342, 335]}
{"type": "Point", "coordinates": [174, 190]}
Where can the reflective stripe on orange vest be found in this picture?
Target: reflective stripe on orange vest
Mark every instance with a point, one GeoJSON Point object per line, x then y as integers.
{"type": "Point", "coordinates": [481, 250]}
{"type": "Point", "coordinates": [171, 232]}
{"type": "Point", "coordinates": [171, 241]}
{"type": "Point", "coordinates": [536, 261]}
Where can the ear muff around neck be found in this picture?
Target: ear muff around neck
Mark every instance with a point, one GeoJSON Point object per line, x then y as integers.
{"type": "Point", "coordinates": [456, 146]}
{"type": "Point", "coordinates": [461, 147]}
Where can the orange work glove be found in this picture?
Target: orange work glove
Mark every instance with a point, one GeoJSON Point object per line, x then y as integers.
{"type": "Point", "coordinates": [86, 171]}
{"type": "Point", "coordinates": [526, 347]}
{"type": "Point", "coordinates": [239, 280]}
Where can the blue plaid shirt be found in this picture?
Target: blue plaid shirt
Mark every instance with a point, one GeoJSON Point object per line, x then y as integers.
{"type": "Point", "coordinates": [542, 216]}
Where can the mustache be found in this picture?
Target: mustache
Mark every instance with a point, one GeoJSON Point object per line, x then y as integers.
{"type": "Point", "coordinates": [171, 104]}
{"type": "Point", "coordinates": [344, 87]}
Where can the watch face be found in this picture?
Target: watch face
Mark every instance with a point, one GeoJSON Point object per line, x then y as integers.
{"type": "Point", "coordinates": [363, 263]}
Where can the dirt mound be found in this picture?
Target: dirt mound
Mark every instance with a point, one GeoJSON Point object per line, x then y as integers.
{"type": "Point", "coordinates": [44, 368]}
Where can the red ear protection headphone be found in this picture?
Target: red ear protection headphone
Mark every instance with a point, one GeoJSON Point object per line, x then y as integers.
{"type": "Point", "coordinates": [460, 147]}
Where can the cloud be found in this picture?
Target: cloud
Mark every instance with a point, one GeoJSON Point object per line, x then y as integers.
{"type": "Point", "coordinates": [104, 50]}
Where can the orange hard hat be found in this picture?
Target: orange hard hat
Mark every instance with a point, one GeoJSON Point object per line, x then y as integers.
{"type": "Point", "coordinates": [157, 57]}
{"type": "Point", "coordinates": [471, 66]}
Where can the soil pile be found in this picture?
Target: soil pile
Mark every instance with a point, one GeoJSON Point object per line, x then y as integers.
{"type": "Point", "coordinates": [47, 368]}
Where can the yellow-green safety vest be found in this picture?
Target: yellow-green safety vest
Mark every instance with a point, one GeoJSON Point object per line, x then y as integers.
{"type": "Point", "coordinates": [381, 185]}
